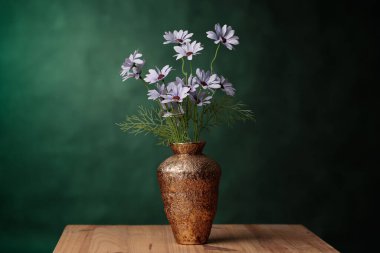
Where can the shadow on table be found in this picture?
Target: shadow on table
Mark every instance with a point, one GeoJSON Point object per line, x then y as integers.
{"type": "Point", "coordinates": [227, 239]}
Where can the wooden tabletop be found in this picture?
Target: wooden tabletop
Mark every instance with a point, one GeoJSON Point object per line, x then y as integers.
{"type": "Point", "coordinates": [159, 239]}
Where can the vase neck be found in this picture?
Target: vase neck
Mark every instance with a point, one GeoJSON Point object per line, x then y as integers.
{"type": "Point", "coordinates": [189, 148]}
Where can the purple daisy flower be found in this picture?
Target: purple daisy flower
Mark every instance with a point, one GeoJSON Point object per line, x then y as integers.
{"type": "Point", "coordinates": [224, 35]}
{"type": "Point", "coordinates": [157, 93]}
{"type": "Point", "coordinates": [157, 75]}
{"type": "Point", "coordinates": [134, 72]}
{"type": "Point", "coordinates": [226, 86]}
{"type": "Point", "coordinates": [206, 80]}
{"type": "Point", "coordinates": [177, 37]}
{"type": "Point", "coordinates": [192, 83]}
{"type": "Point", "coordinates": [172, 85]}
{"type": "Point", "coordinates": [176, 92]}
{"type": "Point", "coordinates": [175, 110]}
{"type": "Point", "coordinates": [132, 66]}
{"type": "Point", "coordinates": [168, 114]}
{"type": "Point", "coordinates": [188, 50]}
{"type": "Point", "coordinates": [201, 99]}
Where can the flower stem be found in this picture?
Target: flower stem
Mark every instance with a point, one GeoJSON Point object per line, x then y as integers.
{"type": "Point", "coordinates": [175, 125]}
{"type": "Point", "coordinates": [187, 113]}
{"type": "Point", "coordinates": [183, 69]}
{"type": "Point", "coordinates": [195, 123]}
{"type": "Point", "coordinates": [201, 121]}
{"type": "Point", "coordinates": [191, 68]}
{"type": "Point", "coordinates": [216, 54]}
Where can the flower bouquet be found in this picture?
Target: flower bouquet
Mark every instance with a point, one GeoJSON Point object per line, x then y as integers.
{"type": "Point", "coordinates": [189, 103]}
{"type": "Point", "coordinates": [183, 107]}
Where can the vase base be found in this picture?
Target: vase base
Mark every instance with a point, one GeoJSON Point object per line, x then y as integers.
{"type": "Point", "coordinates": [191, 243]}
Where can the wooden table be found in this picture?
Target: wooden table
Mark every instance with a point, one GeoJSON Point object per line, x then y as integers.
{"type": "Point", "coordinates": [157, 239]}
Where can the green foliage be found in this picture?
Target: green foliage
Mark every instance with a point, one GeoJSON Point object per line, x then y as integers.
{"type": "Point", "coordinates": [227, 111]}
{"type": "Point", "coordinates": [150, 121]}
{"type": "Point", "coordinates": [178, 128]}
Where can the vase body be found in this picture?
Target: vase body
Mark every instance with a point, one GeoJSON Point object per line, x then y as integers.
{"type": "Point", "coordinates": [189, 183]}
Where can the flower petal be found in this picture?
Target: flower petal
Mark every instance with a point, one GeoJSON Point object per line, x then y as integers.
{"type": "Point", "coordinates": [218, 29]}
{"type": "Point", "coordinates": [224, 30]}
{"type": "Point", "coordinates": [179, 56]}
{"type": "Point", "coordinates": [179, 50]}
{"type": "Point", "coordinates": [230, 33]}
{"type": "Point", "coordinates": [139, 61]}
{"type": "Point", "coordinates": [211, 35]}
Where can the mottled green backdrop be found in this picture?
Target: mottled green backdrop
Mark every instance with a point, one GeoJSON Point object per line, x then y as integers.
{"type": "Point", "coordinates": [304, 67]}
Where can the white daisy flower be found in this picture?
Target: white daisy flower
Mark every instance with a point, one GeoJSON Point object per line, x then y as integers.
{"type": "Point", "coordinates": [226, 86]}
{"type": "Point", "coordinates": [177, 92]}
{"type": "Point", "coordinates": [168, 114]}
{"type": "Point", "coordinates": [206, 80]}
{"type": "Point", "coordinates": [132, 66]}
{"type": "Point", "coordinates": [174, 111]}
{"type": "Point", "coordinates": [157, 93]}
{"type": "Point", "coordinates": [201, 99]}
{"type": "Point", "coordinates": [177, 37]}
{"type": "Point", "coordinates": [224, 35]}
{"type": "Point", "coordinates": [172, 85]}
{"type": "Point", "coordinates": [134, 72]}
{"type": "Point", "coordinates": [156, 75]}
{"type": "Point", "coordinates": [192, 83]}
{"type": "Point", "coordinates": [188, 50]}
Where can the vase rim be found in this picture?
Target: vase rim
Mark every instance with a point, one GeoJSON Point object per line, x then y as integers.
{"type": "Point", "coordinates": [188, 147]}
{"type": "Point", "coordinates": [187, 143]}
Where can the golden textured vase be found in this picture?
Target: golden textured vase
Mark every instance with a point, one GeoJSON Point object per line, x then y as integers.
{"type": "Point", "coordinates": [189, 183]}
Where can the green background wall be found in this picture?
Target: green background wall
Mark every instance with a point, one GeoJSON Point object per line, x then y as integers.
{"type": "Point", "coordinates": [304, 67]}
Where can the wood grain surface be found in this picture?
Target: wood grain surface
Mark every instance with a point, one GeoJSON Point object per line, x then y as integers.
{"type": "Point", "coordinates": [159, 239]}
